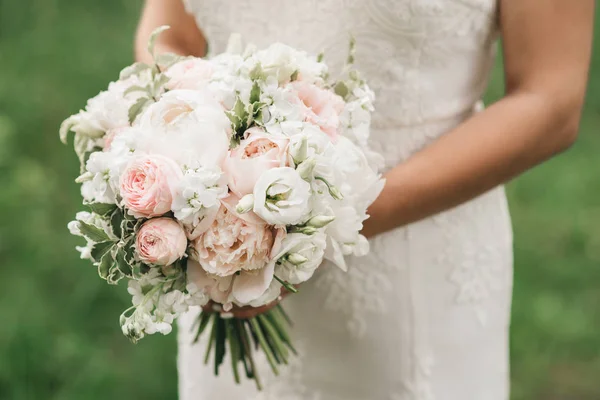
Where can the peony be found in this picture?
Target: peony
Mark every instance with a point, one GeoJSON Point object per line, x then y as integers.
{"type": "Point", "coordinates": [281, 197]}
{"type": "Point", "coordinates": [234, 242]}
{"type": "Point", "coordinates": [147, 185]}
{"type": "Point", "coordinates": [324, 107]}
{"type": "Point", "coordinates": [188, 126]}
{"type": "Point", "coordinates": [160, 241]}
{"type": "Point", "coordinates": [191, 73]}
{"type": "Point", "coordinates": [300, 256]}
{"type": "Point", "coordinates": [256, 154]}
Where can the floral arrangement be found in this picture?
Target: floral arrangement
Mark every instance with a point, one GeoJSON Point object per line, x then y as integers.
{"type": "Point", "coordinates": [225, 180]}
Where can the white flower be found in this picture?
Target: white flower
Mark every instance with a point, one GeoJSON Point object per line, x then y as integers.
{"type": "Point", "coordinates": [187, 126]}
{"type": "Point", "coordinates": [108, 110]}
{"type": "Point", "coordinates": [281, 197]}
{"type": "Point", "coordinates": [198, 193]}
{"type": "Point", "coordinates": [300, 256]}
{"type": "Point", "coordinates": [282, 61]}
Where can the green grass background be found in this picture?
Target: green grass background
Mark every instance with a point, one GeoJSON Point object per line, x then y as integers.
{"type": "Point", "coordinates": [59, 335]}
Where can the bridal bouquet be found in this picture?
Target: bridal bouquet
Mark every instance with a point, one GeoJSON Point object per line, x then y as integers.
{"type": "Point", "coordinates": [223, 181]}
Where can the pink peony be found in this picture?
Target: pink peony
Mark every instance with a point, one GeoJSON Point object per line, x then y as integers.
{"type": "Point", "coordinates": [234, 242]}
{"type": "Point", "coordinates": [323, 107]}
{"type": "Point", "coordinates": [192, 73]}
{"type": "Point", "coordinates": [147, 183]}
{"type": "Point", "coordinates": [255, 154]}
{"type": "Point", "coordinates": [160, 241]}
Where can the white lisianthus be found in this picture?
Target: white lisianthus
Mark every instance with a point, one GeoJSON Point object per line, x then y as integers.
{"type": "Point", "coordinates": [198, 192]}
{"type": "Point", "coordinates": [281, 197]}
{"type": "Point", "coordinates": [300, 256]}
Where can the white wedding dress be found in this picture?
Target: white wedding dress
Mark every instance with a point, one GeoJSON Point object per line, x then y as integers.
{"type": "Point", "coordinates": [425, 315]}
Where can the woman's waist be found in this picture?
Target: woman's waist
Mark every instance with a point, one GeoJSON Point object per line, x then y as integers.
{"type": "Point", "coordinates": [398, 138]}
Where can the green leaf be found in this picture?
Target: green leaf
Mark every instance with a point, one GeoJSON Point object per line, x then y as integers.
{"type": "Point", "coordinates": [100, 249]}
{"type": "Point", "coordinates": [341, 89]}
{"type": "Point", "coordinates": [105, 264]}
{"type": "Point", "coordinates": [167, 59]}
{"type": "Point", "coordinates": [136, 88]}
{"type": "Point", "coordinates": [159, 82]}
{"type": "Point", "coordinates": [134, 69]}
{"type": "Point", "coordinates": [154, 36]}
{"type": "Point", "coordinates": [294, 76]}
{"type": "Point", "coordinates": [121, 263]}
{"type": "Point", "coordinates": [254, 93]}
{"type": "Point", "coordinates": [93, 233]}
{"type": "Point", "coordinates": [102, 208]}
{"type": "Point", "coordinates": [116, 219]}
{"type": "Point", "coordinates": [137, 108]}
{"type": "Point", "coordinates": [114, 276]}
{"type": "Point", "coordinates": [257, 73]}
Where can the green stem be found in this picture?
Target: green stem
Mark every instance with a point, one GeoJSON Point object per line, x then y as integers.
{"type": "Point", "coordinates": [220, 343]}
{"type": "Point", "coordinates": [248, 350]}
{"type": "Point", "coordinates": [279, 323]}
{"type": "Point", "coordinates": [274, 338]}
{"type": "Point", "coordinates": [233, 349]}
{"type": "Point", "coordinates": [204, 319]}
{"type": "Point", "coordinates": [285, 284]}
{"type": "Point", "coordinates": [211, 339]}
{"type": "Point", "coordinates": [285, 315]}
{"type": "Point", "coordinates": [263, 344]}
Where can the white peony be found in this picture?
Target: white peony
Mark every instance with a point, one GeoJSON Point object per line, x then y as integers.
{"type": "Point", "coordinates": [187, 126]}
{"type": "Point", "coordinates": [300, 256]}
{"type": "Point", "coordinates": [281, 197]}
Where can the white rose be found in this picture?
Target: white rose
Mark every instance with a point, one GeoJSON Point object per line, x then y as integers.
{"type": "Point", "coordinates": [300, 256]}
{"type": "Point", "coordinates": [188, 126]}
{"type": "Point", "coordinates": [281, 197]}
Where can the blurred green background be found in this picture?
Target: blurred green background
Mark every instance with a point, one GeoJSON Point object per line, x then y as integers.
{"type": "Point", "coordinates": [59, 333]}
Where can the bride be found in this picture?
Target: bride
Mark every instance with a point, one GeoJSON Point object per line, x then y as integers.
{"type": "Point", "coordinates": [426, 314]}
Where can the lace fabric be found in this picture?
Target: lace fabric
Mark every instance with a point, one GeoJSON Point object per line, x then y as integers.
{"type": "Point", "coordinates": [425, 315]}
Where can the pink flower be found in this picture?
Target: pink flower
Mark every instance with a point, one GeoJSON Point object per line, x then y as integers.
{"type": "Point", "coordinates": [160, 241]}
{"type": "Point", "coordinates": [192, 73]}
{"type": "Point", "coordinates": [234, 242]}
{"type": "Point", "coordinates": [147, 183]}
{"type": "Point", "coordinates": [255, 154]}
{"type": "Point", "coordinates": [323, 106]}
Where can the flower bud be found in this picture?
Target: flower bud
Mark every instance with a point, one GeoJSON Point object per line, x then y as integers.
{"type": "Point", "coordinates": [320, 221]}
{"type": "Point", "coordinates": [301, 151]}
{"type": "Point", "coordinates": [307, 230]}
{"type": "Point", "coordinates": [245, 204]}
{"type": "Point", "coordinates": [296, 259]}
{"type": "Point", "coordinates": [306, 168]}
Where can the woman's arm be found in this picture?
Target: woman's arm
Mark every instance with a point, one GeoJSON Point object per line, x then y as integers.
{"type": "Point", "coordinates": [183, 38]}
{"type": "Point", "coordinates": [547, 46]}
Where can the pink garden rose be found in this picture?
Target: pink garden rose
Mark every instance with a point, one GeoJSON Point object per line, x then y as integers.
{"type": "Point", "coordinates": [323, 107]}
{"type": "Point", "coordinates": [193, 73]}
{"type": "Point", "coordinates": [160, 241]}
{"type": "Point", "coordinates": [147, 183]}
{"type": "Point", "coordinates": [258, 152]}
{"type": "Point", "coordinates": [234, 242]}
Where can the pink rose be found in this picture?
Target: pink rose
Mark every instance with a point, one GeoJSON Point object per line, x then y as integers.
{"type": "Point", "coordinates": [255, 154]}
{"type": "Point", "coordinates": [234, 242]}
{"type": "Point", "coordinates": [192, 73]}
{"type": "Point", "coordinates": [147, 183]}
{"type": "Point", "coordinates": [160, 241]}
{"type": "Point", "coordinates": [323, 106]}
